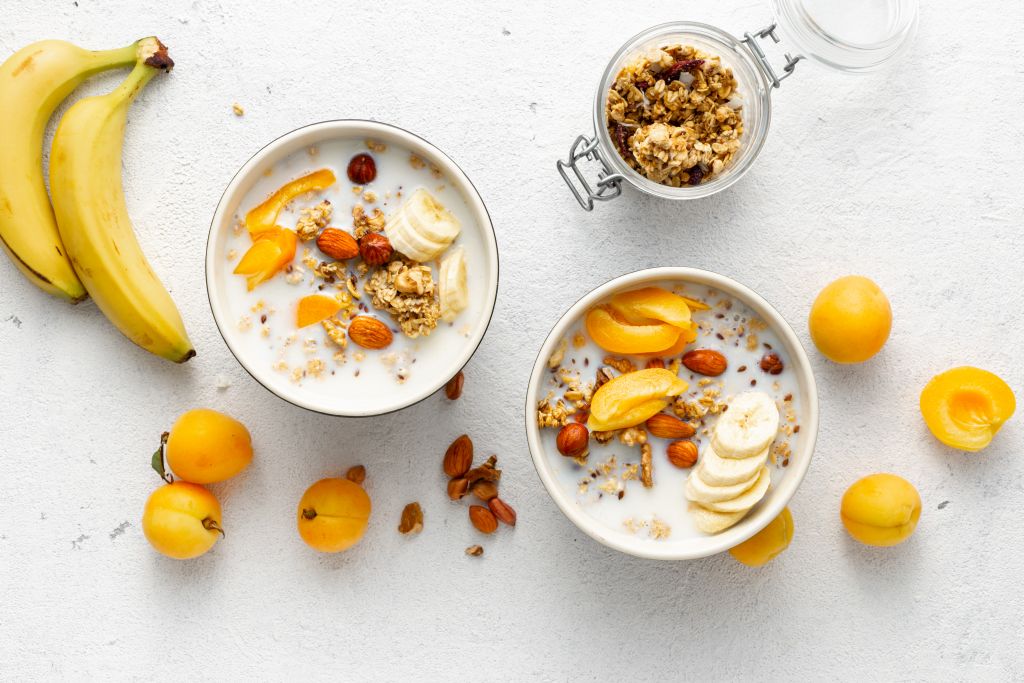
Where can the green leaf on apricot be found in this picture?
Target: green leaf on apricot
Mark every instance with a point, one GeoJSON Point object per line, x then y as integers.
{"type": "Point", "coordinates": [157, 461]}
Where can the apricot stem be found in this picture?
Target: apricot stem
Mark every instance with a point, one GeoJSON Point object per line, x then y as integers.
{"type": "Point", "coordinates": [157, 461]}
{"type": "Point", "coordinates": [309, 513]}
{"type": "Point", "coordinates": [210, 524]}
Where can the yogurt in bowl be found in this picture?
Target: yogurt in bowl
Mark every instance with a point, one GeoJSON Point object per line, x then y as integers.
{"type": "Point", "coordinates": [351, 268]}
{"type": "Point", "coordinates": [657, 489]}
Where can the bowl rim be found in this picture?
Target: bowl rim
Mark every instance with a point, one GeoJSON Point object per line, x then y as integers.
{"type": "Point", "coordinates": [750, 525]}
{"type": "Point", "coordinates": [457, 176]}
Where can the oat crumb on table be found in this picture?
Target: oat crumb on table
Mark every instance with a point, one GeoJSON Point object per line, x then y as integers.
{"type": "Point", "coordinates": [238, 109]}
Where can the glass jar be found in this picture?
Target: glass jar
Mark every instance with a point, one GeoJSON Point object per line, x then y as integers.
{"type": "Point", "coordinates": [850, 36]}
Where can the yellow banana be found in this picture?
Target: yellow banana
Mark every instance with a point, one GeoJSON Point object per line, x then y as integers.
{"type": "Point", "coordinates": [33, 81]}
{"type": "Point", "coordinates": [88, 199]}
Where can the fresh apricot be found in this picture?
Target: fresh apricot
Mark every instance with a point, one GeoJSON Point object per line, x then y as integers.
{"type": "Point", "coordinates": [880, 509]}
{"type": "Point", "coordinates": [333, 515]}
{"type": "Point", "coordinates": [640, 306]}
{"type": "Point", "coordinates": [618, 336]}
{"type": "Point", "coordinates": [766, 544]}
{"type": "Point", "coordinates": [205, 446]}
{"type": "Point", "coordinates": [965, 407]}
{"type": "Point", "coordinates": [263, 218]}
{"type": "Point", "coordinates": [633, 398]}
{"type": "Point", "coordinates": [314, 308]}
{"type": "Point", "coordinates": [686, 337]}
{"type": "Point", "coordinates": [850, 320]}
{"type": "Point", "coordinates": [271, 252]}
{"type": "Point", "coordinates": [182, 520]}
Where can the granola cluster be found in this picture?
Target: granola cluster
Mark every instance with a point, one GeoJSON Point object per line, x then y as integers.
{"type": "Point", "coordinates": [673, 116]}
{"type": "Point", "coordinates": [406, 291]}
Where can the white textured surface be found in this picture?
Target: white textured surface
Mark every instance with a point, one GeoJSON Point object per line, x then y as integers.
{"type": "Point", "coordinates": [910, 176]}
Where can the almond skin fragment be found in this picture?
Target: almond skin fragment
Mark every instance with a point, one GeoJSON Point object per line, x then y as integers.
{"type": "Point", "coordinates": [483, 519]}
{"type": "Point", "coordinates": [682, 454]}
{"type": "Point", "coordinates": [707, 362]}
{"type": "Point", "coordinates": [459, 457]}
{"type": "Point", "coordinates": [484, 490]}
{"type": "Point", "coordinates": [356, 474]}
{"type": "Point", "coordinates": [475, 550]}
{"type": "Point", "coordinates": [665, 426]}
{"type": "Point", "coordinates": [457, 488]}
{"type": "Point", "coordinates": [412, 519]}
{"type": "Point", "coordinates": [502, 510]}
{"type": "Point", "coordinates": [337, 244]}
{"type": "Point", "coordinates": [370, 333]}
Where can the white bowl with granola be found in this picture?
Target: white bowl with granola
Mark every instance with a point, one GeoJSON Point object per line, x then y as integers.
{"type": "Point", "coordinates": [629, 421]}
{"type": "Point", "coordinates": [352, 268]}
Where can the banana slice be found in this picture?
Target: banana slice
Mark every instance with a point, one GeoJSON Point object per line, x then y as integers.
{"type": "Point", "coordinates": [452, 289]}
{"type": "Point", "coordinates": [698, 491]}
{"type": "Point", "coordinates": [714, 470]}
{"type": "Point", "coordinates": [748, 498]}
{"type": "Point", "coordinates": [711, 522]}
{"type": "Point", "coordinates": [747, 427]}
{"type": "Point", "coordinates": [422, 227]}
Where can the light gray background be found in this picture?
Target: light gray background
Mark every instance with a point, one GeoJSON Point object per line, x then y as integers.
{"type": "Point", "coordinates": [911, 176]}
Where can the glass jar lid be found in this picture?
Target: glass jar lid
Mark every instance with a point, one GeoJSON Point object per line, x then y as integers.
{"type": "Point", "coordinates": [848, 35]}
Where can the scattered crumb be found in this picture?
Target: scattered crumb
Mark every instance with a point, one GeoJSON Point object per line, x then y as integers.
{"type": "Point", "coordinates": [237, 108]}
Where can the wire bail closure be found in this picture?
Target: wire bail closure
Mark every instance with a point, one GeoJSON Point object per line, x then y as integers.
{"type": "Point", "coordinates": [751, 41]}
{"type": "Point", "coordinates": [609, 183]}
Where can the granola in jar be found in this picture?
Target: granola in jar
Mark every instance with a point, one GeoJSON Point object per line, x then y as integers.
{"type": "Point", "coordinates": [675, 116]}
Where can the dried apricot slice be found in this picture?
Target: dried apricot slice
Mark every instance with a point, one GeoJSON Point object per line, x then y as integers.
{"type": "Point", "coordinates": [619, 337]}
{"type": "Point", "coordinates": [965, 407]}
{"type": "Point", "coordinates": [270, 253]}
{"type": "Point", "coordinates": [314, 308]}
{"type": "Point", "coordinates": [263, 218]}
{"type": "Point", "coordinates": [633, 398]}
{"type": "Point", "coordinates": [640, 306]}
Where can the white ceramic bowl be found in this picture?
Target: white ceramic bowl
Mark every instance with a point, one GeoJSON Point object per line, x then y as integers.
{"type": "Point", "coordinates": [694, 545]}
{"type": "Point", "coordinates": [433, 369]}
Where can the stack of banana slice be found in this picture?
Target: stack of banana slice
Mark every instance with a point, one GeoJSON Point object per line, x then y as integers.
{"type": "Point", "coordinates": [731, 476]}
{"type": "Point", "coordinates": [422, 229]}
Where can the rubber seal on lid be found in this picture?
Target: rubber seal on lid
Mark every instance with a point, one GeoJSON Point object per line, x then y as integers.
{"type": "Point", "coordinates": [848, 35]}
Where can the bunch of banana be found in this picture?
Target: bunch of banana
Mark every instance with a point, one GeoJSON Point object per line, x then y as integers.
{"type": "Point", "coordinates": [33, 82]}
{"type": "Point", "coordinates": [88, 200]}
{"type": "Point", "coordinates": [88, 246]}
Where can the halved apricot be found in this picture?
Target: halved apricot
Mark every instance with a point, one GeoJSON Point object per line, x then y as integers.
{"type": "Point", "coordinates": [269, 254]}
{"type": "Point", "coordinates": [686, 337]}
{"type": "Point", "coordinates": [965, 407]}
{"type": "Point", "coordinates": [639, 306]}
{"type": "Point", "coordinates": [264, 217]}
{"type": "Point", "coordinates": [633, 398]}
{"type": "Point", "coordinates": [618, 337]}
{"type": "Point", "coordinates": [314, 308]}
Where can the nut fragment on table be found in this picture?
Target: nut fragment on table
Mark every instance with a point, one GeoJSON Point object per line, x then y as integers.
{"type": "Point", "coordinates": [412, 519]}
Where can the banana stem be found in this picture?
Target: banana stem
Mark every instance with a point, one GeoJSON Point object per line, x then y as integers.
{"type": "Point", "coordinates": [103, 60]}
{"type": "Point", "coordinates": [150, 58]}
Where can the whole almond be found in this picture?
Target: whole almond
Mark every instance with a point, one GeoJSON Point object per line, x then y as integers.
{"type": "Point", "coordinates": [573, 440]}
{"type": "Point", "coordinates": [453, 390]}
{"type": "Point", "coordinates": [502, 510]}
{"type": "Point", "coordinates": [459, 457]}
{"type": "Point", "coordinates": [665, 426]}
{"type": "Point", "coordinates": [706, 362]}
{"type": "Point", "coordinates": [370, 333]}
{"type": "Point", "coordinates": [457, 488]}
{"type": "Point", "coordinates": [483, 519]}
{"type": "Point", "coordinates": [337, 244]}
{"type": "Point", "coordinates": [484, 490]}
{"type": "Point", "coordinates": [682, 453]}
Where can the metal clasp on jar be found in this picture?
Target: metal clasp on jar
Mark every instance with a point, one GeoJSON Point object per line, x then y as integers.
{"type": "Point", "coordinates": [751, 42]}
{"type": "Point", "coordinates": [609, 183]}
